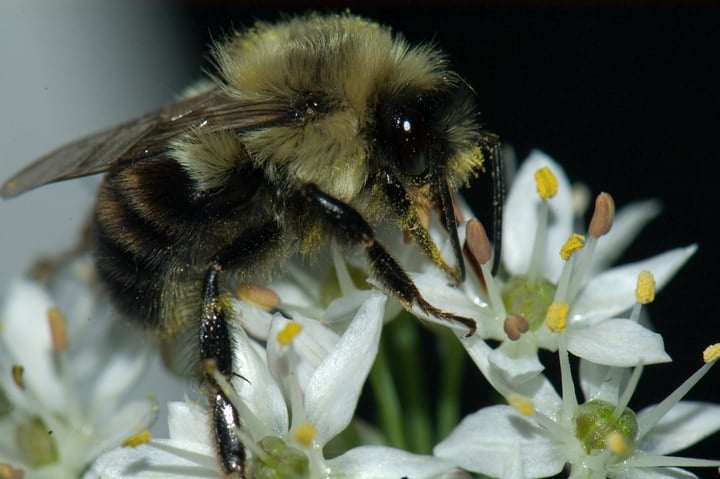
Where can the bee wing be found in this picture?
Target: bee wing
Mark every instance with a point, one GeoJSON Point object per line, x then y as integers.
{"type": "Point", "coordinates": [145, 138]}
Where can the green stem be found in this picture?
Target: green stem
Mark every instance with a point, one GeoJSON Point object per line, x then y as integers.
{"type": "Point", "coordinates": [387, 401]}
{"type": "Point", "coordinates": [450, 394]}
{"type": "Point", "coordinates": [410, 368]}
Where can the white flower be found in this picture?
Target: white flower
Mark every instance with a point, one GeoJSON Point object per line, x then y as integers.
{"type": "Point", "coordinates": [542, 433]}
{"type": "Point", "coordinates": [63, 373]}
{"type": "Point", "coordinates": [290, 406]}
{"type": "Point", "coordinates": [535, 276]}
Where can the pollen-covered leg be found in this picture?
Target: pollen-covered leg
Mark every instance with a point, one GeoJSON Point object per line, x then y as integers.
{"type": "Point", "coordinates": [352, 229]}
{"type": "Point", "coordinates": [216, 344]}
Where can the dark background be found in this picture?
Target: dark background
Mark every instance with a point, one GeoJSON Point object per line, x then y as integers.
{"type": "Point", "coordinates": [626, 99]}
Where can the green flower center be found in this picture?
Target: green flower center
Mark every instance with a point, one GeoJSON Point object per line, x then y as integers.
{"type": "Point", "coordinates": [598, 429]}
{"type": "Point", "coordinates": [282, 461]}
{"type": "Point", "coordinates": [36, 442]}
{"type": "Point", "coordinates": [528, 297]}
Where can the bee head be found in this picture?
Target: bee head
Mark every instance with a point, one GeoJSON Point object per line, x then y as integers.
{"type": "Point", "coordinates": [431, 142]}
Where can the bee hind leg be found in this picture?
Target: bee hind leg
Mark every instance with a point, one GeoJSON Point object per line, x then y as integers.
{"type": "Point", "coordinates": [216, 344]}
{"type": "Point", "coordinates": [352, 229]}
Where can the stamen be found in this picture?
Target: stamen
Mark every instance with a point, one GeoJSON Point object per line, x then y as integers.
{"type": "Point", "coordinates": [574, 243]}
{"type": "Point", "coordinates": [17, 375]}
{"type": "Point", "coordinates": [711, 353]}
{"type": "Point", "coordinates": [58, 329]}
{"type": "Point", "coordinates": [651, 418]}
{"type": "Point", "coordinates": [288, 333]}
{"type": "Point", "coordinates": [9, 472]}
{"type": "Point", "coordinates": [515, 326]}
{"type": "Point", "coordinates": [135, 440]}
{"type": "Point", "coordinates": [305, 434]}
{"type": "Point", "coordinates": [522, 404]}
{"type": "Point", "coordinates": [603, 216]}
{"type": "Point", "coordinates": [546, 182]}
{"type": "Point", "coordinates": [477, 242]}
{"type": "Point", "coordinates": [556, 317]}
{"type": "Point", "coordinates": [616, 443]}
{"type": "Point", "coordinates": [645, 290]}
{"type": "Point", "coordinates": [264, 298]}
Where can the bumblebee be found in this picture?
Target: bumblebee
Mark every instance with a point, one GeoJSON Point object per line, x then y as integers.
{"type": "Point", "coordinates": [313, 129]}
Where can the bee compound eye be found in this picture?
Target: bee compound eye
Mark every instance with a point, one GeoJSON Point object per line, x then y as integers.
{"type": "Point", "coordinates": [410, 141]}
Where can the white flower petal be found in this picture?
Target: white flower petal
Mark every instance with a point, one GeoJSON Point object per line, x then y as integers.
{"type": "Point", "coordinates": [520, 219]}
{"type": "Point", "coordinates": [188, 422]}
{"type": "Point", "coordinates": [131, 419]}
{"type": "Point", "coordinates": [487, 442]}
{"type": "Point", "coordinates": [617, 342]}
{"type": "Point", "coordinates": [517, 360]}
{"type": "Point", "coordinates": [257, 387]}
{"type": "Point", "coordinates": [687, 423]}
{"type": "Point", "coordinates": [599, 381]}
{"type": "Point", "coordinates": [379, 462]}
{"type": "Point", "coordinates": [612, 292]}
{"type": "Point", "coordinates": [25, 327]}
{"type": "Point", "coordinates": [653, 473]}
{"type": "Point", "coordinates": [162, 458]}
{"type": "Point", "coordinates": [334, 389]}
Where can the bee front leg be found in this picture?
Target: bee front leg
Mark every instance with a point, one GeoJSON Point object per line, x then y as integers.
{"type": "Point", "coordinates": [351, 228]}
{"type": "Point", "coordinates": [216, 340]}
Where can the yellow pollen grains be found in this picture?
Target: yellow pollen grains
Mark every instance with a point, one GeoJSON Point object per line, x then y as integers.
{"type": "Point", "coordinates": [288, 333]}
{"type": "Point", "coordinates": [574, 243]}
{"type": "Point", "coordinates": [645, 289]}
{"type": "Point", "coordinates": [305, 434]}
{"type": "Point", "coordinates": [546, 183]}
{"type": "Point", "coordinates": [522, 404]}
{"type": "Point", "coordinates": [556, 318]}
{"type": "Point", "coordinates": [137, 439]}
{"type": "Point", "coordinates": [711, 353]}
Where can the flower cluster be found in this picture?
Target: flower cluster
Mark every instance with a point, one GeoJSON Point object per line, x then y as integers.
{"type": "Point", "coordinates": [309, 347]}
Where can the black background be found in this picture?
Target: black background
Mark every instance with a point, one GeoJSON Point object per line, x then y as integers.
{"type": "Point", "coordinates": [625, 98]}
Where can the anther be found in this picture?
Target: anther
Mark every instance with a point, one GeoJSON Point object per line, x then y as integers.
{"type": "Point", "coordinates": [264, 298]}
{"type": "Point", "coordinates": [17, 375]}
{"type": "Point", "coordinates": [9, 472]}
{"type": "Point", "coordinates": [515, 326]}
{"type": "Point", "coordinates": [522, 404]}
{"type": "Point", "coordinates": [546, 183]}
{"type": "Point", "coordinates": [645, 289]}
{"type": "Point", "coordinates": [556, 318]}
{"type": "Point", "coordinates": [137, 439]}
{"type": "Point", "coordinates": [305, 434]}
{"type": "Point", "coordinates": [477, 242]}
{"type": "Point", "coordinates": [288, 333]}
{"type": "Point", "coordinates": [58, 329]}
{"type": "Point", "coordinates": [603, 216]}
{"type": "Point", "coordinates": [711, 353]}
{"type": "Point", "coordinates": [574, 243]}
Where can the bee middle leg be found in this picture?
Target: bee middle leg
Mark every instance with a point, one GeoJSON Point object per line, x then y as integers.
{"type": "Point", "coordinates": [352, 229]}
{"type": "Point", "coordinates": [215, 339]}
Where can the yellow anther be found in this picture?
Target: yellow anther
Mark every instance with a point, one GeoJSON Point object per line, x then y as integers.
{"type": "Point", "coordinates": [616, 443]}
{"type": "Point", "coordinates": [136, 439]}
{"type": "Point", "coordinates": [645, 289]}
{"type": "Point", "coordinates": [546, 183]}
{"type": "Point", "coordinates": [573, 244]}
{"type": "Point", "coordinates": [711, 353]}
{"type": "Point", "coordinates": [556, 317]}
{"type": "Point", "coordinates": [522, 404]}
{"type": "Point", "coordinates": [58, 329]}
{"type": "Point", "coordinates": [305, 434]}
{"type": "Point", "coordinates": [603, 216]}
{"type": "Point", "coordinates": [288, 333]}
{"type": "Point", "coordinates": [264, 298]}
{"type": "Point", "coordinates": [17, 375]}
